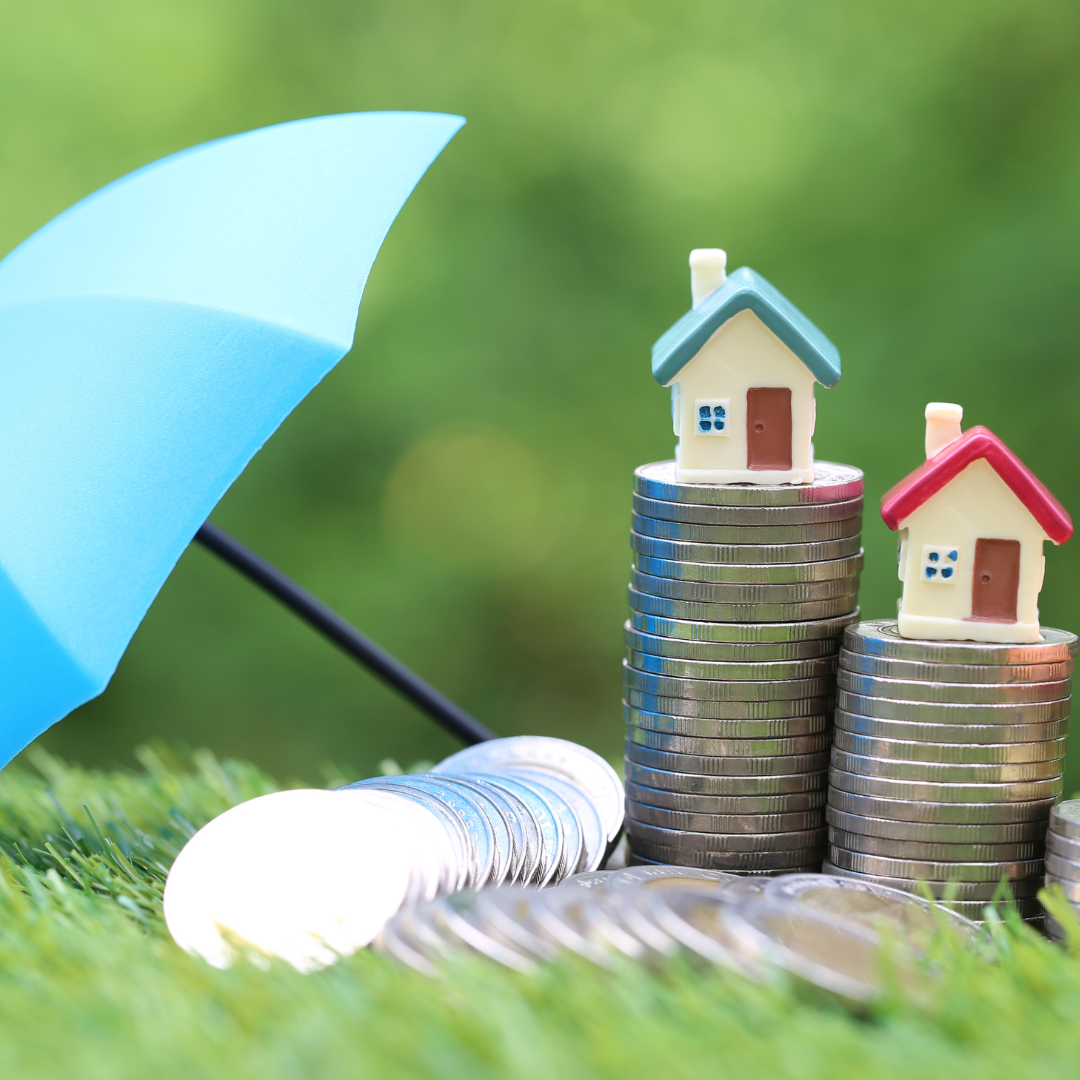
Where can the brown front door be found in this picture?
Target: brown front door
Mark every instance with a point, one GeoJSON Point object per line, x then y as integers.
{"type": "Point", "coordinates": [997, 580]}
{"type": "Point", "coordinates": [768, 427]}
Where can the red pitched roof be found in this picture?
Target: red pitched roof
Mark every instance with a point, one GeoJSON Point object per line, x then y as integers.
{"type": "Point", "coordinates": [929, 478]}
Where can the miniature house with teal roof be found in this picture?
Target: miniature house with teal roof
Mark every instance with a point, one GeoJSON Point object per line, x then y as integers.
{"type": "Point", "coordinates": [742, 365]}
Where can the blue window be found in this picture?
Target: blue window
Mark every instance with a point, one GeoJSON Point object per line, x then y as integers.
{"type": "Point", "coordinates": [712, 417]}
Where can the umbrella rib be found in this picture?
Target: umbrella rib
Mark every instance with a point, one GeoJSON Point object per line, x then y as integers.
{"type": "Point", "coordinates": [343, 634]}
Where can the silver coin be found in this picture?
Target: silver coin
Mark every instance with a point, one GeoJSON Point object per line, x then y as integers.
{"type": "Point", "coordinates": [593, 880]}
{"type": "Point", "coordinates": [880, 637]}
{"type": "Point", "coordinates": [458, 915]}
{"type": "Point", "coordinates": [749, 555]}
{"type": "Point", "coordinates": [501, 831]}
{"type": "Point", "coordinates": [914, 920]}
{"type": "Point", "coordinates": [981, 674]}
{"type": "Point", "coordinates": [642, 634]}
{"type": "Point", "coordinates": [771, 575]}
{"type": "Point", "coordinates": [593, 835]}
{"type": "Point", "coordinates": [777, 671]}
{"type": "Point", "coordinates": [950, 773]}
{"type": "Point", "coordinates": [576, 763]}
{"type": "Point", "coordinates": [739, 748]}
{"type": "Point", "coordinates": [1065, 819]}
{"type": "Point", "coordinates": [933, 791]}
{"type": "Point", "coordinates": [747, 633]}
{"type": "Point", "coordinates": [927, 870]}
{"type": "Point", "coordinates": [699, 514]}
{"type": "Point", "coordinates": [1068, 886]}
{"type": "Point", "coordinates": [506, 911]}
{"type": "Point", "coordinates": [804, 840]}
{"type": "Point", "coordinates": [937, 833]}
{"type": "Point", "coordinates": [976, 909]}
{"type": "Point", "coordinates": [727, 710]}
{"type": "Point", "coordinates": [1064, 846]}
{"type": "Point", "coordinates": [954, 891]}
{"type": "Point", "coordinates": [938, 812]}
{"type": "Point", "coordinates": [696, 784]}
{"type": "Point", "coordinates": [952, 693]}
{"type": "Point", "coordinates": [661, 608]}
{"type": "Point", "coordinates": [574, 854]}
{"type": "Point", "coordinates": [713, 592]}
{"type": "Point", "coordinates": [980, 734]}
{"type": "Point", "coordinates": [412, 942]}
{"type": "Point", "coordinates": [523, 856]}
{"type": "Point", "coordinates": [832, 483]}
{"type": "Point", "coordinates": [724, 689]}
{"type": "Point", "coordinates": [525, 806]}
{"type": "Point", "coordinates": [925, 712]}
{"type": "Point", "coordinates": [707, 728]}
{"type": "Point", "coordinates": [756, 535]}
{"type": "Point", "coordinates": [966, 753]}
{"type": "Point", "coordinates": [725, 805]}
{"type": "Point", "coordinates": [725, 766]}
{"type": "Point", "coordinates": [568, 918]}
{"type": "Point", "coordinates": [715, 823]}
{"type": "Point", "coordinates": [923, 851]}
{"type": "Point", "coordinates": [739, 862]}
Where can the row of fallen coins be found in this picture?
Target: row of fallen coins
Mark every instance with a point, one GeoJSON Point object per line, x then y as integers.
{"type": "Point", "coordinates": [739, 595]}
{"type": "Point", "coordinates": [311, 875]}
{"type": "Point", "coordinates": [825, 930]}
{"type": "Point", "coordinates": [946, 760]}
{"type": "Point", "coordinates": [1063, 861]}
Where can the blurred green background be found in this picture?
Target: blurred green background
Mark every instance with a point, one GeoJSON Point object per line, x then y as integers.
{"type": "Point", "coordinates": [907, 173]}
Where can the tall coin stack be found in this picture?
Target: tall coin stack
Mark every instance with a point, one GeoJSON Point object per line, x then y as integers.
{"type": "Point", "coordinates": [947, 758]}
{"type": "Point", "coordinates": [1063, 860]}
{"type": "Point", "coordinates": [740, 595]}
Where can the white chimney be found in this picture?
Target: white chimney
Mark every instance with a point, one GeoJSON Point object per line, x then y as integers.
{"type": "Point", "coordinates": [708, 271]}
{"type": "Point", "coordinates": [942, 425]}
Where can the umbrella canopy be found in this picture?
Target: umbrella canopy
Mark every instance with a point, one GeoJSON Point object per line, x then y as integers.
{"type": "Point", "coordinates": [152, 338]}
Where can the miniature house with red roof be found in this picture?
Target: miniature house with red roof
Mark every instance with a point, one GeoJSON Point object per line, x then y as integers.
{"type": "Point", "coordinates": [972, 521]}
{"type": "Point", "coordinates": [742, 365]}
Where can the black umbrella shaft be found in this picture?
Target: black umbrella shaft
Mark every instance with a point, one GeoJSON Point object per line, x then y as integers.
{"type": "Point", "coordinates": [330, 624]}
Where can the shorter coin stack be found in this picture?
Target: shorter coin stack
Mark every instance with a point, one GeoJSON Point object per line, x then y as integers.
{"type": "Point", "coordinates": [1063, 860]}
{"type": "Point", "coordinates": [739, 596]}
{"type": "Point", "coordinates": [947, 758]}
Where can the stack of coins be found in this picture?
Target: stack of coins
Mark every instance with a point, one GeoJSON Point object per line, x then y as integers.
{"type": "Point", "coordinates": [1063, 860]}
{"type": "Point", "coordinates": [739, 595]}
{"type": "Point", "coordinates": [947, 758]}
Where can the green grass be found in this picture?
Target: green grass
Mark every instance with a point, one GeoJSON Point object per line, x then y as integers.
{"type": "Point", "coordinates": [92, 986]}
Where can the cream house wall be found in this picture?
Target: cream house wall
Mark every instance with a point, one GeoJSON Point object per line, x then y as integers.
{"type": "Point", "coordinates": [975, 504]}
{"type": "Point", "coordinates": [743, 353]}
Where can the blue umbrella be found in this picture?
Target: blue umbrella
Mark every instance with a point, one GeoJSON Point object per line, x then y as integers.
{"type": "Point", "coordinates": [152, 338]}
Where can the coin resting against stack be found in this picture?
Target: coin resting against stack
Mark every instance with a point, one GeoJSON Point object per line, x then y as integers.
{"type": "Point", "coordinates": [1063, 861]}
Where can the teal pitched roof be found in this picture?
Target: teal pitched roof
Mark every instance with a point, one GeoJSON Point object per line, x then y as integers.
{"type": "Point", "coordinates": [745, 289]}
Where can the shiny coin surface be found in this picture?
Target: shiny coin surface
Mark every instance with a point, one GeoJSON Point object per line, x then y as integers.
{"type": "Point", "coordinates": [748, 555]}
{"type": "Point", "coordinates": [954, 813]}
{"type": "Point", "coordinates": [745, 633]}
{"type": "Point", "coordinates": [832, 483]}
{"type": "Point", "coordinates": [926, 712]}
{"type": "Point", "coordinates": [459, 917]}
{"type": "Point", "coordinates": [721, 710]}
{"type": "Point", "coordinates": [724, 690]}
{"type": "Point", "coordinates": [801, 573]}
{"type": "Point", "coordinates": [713, 592]}
{"type": "Point", "coordinates": [756, 535]}
{"type": "Point", "coordinates": [659, 607]}
{"type": "Point", "coordinates": [568, 918]}
{"type": "Point", "coordinates": [981, 674]}
{"type": "Point", "coordinates": [575, 853]}
{"type": "Point", "coordinates": [590, 772]}
{"type": "Point", "coordinates": [912, 731]}
{"type": "Point", "coordinates": [926, 870]}
{"type": "Point", "coordinates": [880, 637]}
{"type": "Point", "coordinates": [937, 833]}
{"type": "Point", "coordinates": [777, 671]}
{"type": "Point", "coordinates": [804, 840]}
{"type": "Point", "coordinates": [1065, 819]}
{"type": "Point", "coordinates": [1063, 846]}
{"type": "Point", "coordinates": [741, 748]}
{"type": "Point", "coordinates": [693, 784]}
{"type": "Point", "coordinates": [594, 880]}
{"type": "Point", "coordinates": [709, 728]}
{"type": "Point", "coordinates": [725, 805]}
{"type": "Point", "coordinates": [933, 852]}
{"type": "Point", "coordinates": [645, 634]}
{"type": "Point", "coordinates": [725, 766]}
{"type": "Point", "coordinates": [889, 788]}
{"type": "Point", "coordinates": [947, 773]}
{"type": "Point", "coordinates": [507, 911]}
{"type": "Point", "coordinates": [968, 753]}
{"type": "Point", "coordinates": [699, 514]}
{"type": "Point", "coordinates": [952, 693]}
{"type": "Point", "coordinates": [739, 862]}
{"type": "Point", "coordinates": [961, 891]}
{"type": "Point", "coordinates": [1070, 887]}
{"type": "Point", "coordinates": [716, 823]}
